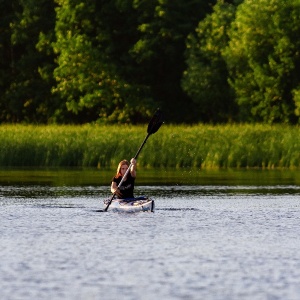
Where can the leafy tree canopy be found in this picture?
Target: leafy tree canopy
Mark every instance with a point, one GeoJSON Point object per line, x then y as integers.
{"type": "Point", "coordinates": [262, 58]}
{"type": "Point", "coordinates": [205, 79]}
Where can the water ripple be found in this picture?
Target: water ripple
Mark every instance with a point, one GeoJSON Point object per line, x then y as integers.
{"type": "Point", "coordinates": [197, 245]}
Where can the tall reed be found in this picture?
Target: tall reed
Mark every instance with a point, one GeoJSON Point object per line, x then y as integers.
{"type": "Point", "coordinates": [173, 146]}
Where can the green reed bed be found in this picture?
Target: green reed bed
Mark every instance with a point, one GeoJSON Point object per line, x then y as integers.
{"type": "Point", "coordinates": [80, 146]}
{"type": "Point", "coordinates": [235, 146]}
{"type": "Point", "coordinates": [174, 146]}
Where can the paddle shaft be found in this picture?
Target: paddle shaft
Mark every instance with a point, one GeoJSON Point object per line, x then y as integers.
{"type": "Point", "coordinates": [127, 171]}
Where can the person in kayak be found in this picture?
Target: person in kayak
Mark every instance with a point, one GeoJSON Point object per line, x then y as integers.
{"type": "Point", "coordinates": [127, 187]}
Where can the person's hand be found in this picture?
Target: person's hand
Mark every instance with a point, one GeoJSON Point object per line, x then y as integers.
{"type": "Point", "coordinates": [133, 161]}
{"type": "Point", "coordinates": [118, 193]}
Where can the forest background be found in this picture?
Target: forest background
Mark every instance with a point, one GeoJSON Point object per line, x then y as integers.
{"type": "Point", "coordinates": [75, 61]}
{"type": "Point", "coordinates": [106, 63]}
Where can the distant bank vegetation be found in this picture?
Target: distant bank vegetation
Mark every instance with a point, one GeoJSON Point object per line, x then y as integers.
{"type": "Point", "coordinates": [115, 62]}
{"type": "Point", "coordinates": [173, 146]}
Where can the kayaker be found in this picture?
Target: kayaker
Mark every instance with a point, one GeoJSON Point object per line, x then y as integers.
{"type": "Point", "coordinates": [127, 187]}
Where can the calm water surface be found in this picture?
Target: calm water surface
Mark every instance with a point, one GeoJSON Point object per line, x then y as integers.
{"type": "Point", "coordinates": [202, 242]}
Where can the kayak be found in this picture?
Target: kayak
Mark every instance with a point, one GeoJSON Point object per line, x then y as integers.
{"type": "Point", "coordinates": [131, 205]}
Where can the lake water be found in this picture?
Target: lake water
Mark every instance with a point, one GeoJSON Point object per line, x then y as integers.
{"type": "Point", "coordinates": [206, 241]}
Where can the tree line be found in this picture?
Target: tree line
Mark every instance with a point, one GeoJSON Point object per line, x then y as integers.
{"type": "Point", "coordinates": [80, 61]}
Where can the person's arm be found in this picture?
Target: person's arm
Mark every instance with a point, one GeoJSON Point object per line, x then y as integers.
{"type": "Point", "coordinates": [115, 190]}
{"type": "Point", "coordinates": [133, 167]}
{"type": "Point", "coordinates": [113, 187]}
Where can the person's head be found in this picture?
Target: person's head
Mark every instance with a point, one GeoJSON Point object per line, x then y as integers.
{"type": "Point", "coordinates": [122, 167]}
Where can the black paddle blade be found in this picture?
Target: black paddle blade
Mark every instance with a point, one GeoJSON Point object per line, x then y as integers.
{"type": "Point", "coordinates": [156, 121]}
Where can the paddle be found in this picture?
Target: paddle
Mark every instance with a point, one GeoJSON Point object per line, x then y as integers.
{"type": "Point", "coordinates": [154, 124]}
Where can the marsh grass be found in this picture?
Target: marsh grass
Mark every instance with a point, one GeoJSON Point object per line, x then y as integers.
{"type": "Point", "coordinates": [173, 146]}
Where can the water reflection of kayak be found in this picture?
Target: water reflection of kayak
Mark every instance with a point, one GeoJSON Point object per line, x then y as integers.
{"type": "Point", "coordinates": [131, 204]}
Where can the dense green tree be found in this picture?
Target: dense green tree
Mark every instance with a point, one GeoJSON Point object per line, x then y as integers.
{"type": "Point", "coordinates": [263, 59]}
{"type": "Point", "coordinates": [7, 15]}
{"type": "Point", "coordinates": [92, 44]}
{"type": "Point", "coordinates": [87, 60]}
{"type": "Point", "coordinates": [117, 60]}
{"type": "Point", "coordinates": [159, 52]}
{"type": "Point", "coordinates": [205, 79]}
{"type": "Point", "coordinates": [25, 95]}
{"type": "Point", "coordinates": [82, 61]}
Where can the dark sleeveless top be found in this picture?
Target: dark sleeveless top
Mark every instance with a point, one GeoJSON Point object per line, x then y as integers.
{"type": "Point", "coordinates": [127, 187]}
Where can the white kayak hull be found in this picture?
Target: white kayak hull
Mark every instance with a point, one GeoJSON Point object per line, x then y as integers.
{"type": "Point", "coordinates": [131, 205]}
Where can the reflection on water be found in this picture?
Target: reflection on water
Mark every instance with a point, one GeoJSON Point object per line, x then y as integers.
{"type": "Point", "coordinates": [214, 240]}
{"type": "Point", "coordinates": [188, 191]}
{"type": "Point", "coordinates": [80, 177]}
